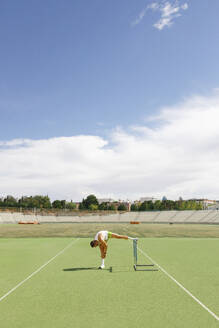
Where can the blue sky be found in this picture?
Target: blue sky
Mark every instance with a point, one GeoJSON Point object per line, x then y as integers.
{"type": "Point", "coordinates": [105, 71]}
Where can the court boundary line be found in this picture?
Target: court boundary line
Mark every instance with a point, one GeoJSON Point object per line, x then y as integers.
{"type": "Point", "coordinates": [38, 270]}
{"type": "Point", "coordinates": [180, 285]}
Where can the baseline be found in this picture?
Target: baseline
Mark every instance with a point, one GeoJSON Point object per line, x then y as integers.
{"type": "Point", "coordinates": [39, 269]}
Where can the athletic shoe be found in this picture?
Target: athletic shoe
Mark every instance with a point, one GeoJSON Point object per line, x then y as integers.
{"type": "Point", "coordinates": [102, 266]}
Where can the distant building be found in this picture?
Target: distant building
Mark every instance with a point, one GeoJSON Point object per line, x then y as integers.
{"type": "Point", "coordinates": [116, 203]}
{"type": "Point", "coordinates": [127, 205]}
{"type": "Point", "coordinates": [105, 200]}
{"type": "Point", "coordinates": [147, 199]}
{"type": "Point", "coordinates": [77, 205]}
{"type": "Point", "coordinates": [205, 202]}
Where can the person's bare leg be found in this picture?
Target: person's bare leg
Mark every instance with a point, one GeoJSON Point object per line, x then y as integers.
{"type": "Point", "coordinates": [103, 250]}
{"type": "Point", "coordinates": [115, 235]}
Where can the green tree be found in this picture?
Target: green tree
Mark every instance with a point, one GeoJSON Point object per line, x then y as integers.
{"type": "Point", "coordinates": [1, 202]}
{"type": "Point", "coordinates": [24, 201]}
{"type": "Point", "coordinates": [111, 207]}
{"type": "Point", "coordinates": [10, 201]}
{"type": "Point", "coordinates": [103, 206]}
{"type": "Point", "coordinates": [37, 201]}
{"type": "Point", "coordinates": [134, 207]}
{"type": "Point", "coordinates": [143, 206]}
{"type": "Point", "coordinates": [167, 205]}
{"type": "Point", "coordinates": [90, 200]}
{"type": "Point", "coordinates": [157, 205]}
{"type": "Point", "coordinates": [93, 207]}
{"type": "Point", "coordinates": [71, 205]}
{"type": "Point", "coordinates": [41, 201]}
{"type": "Point", "coordinates": [199, 206]}
{"type": "Point", "coordinates": [181, 205]}
{"type": "Point", "coordinates": [63, 203]}
{"type": "Point", "coordinates": [122, 207]}
{"type": "Point", "coordinates": [150, 205]}
{"type": "Point", "coordinates": [57, 204]}
{"type": "Point", "coordinates": [81, 205]}
{"type": "Point", "coordinates": [60, 204]}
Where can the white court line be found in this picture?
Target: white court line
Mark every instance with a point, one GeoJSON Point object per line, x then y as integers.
{"type": "Point", "coordinates": [180, 285]}
{"type": "Point", "coordinates": [35, 272]}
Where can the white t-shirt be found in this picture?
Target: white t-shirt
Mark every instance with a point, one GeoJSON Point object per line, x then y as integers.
{"type": "Point", "coordinates": [104, 235]}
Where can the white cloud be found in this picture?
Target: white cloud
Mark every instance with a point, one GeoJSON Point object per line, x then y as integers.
{"type": "Point", "coordinates": [165, 21]}
{"type": "Point", "coordinates": [168, 13]}
{"type": "Point", "coordinates": [185, 6]}
{"type": "Point", "coordinates": [178, 157]}
{"type": "Point", "coordinates": [140, 17]}
{"type": "Point", "coordinates": [168, 10]}
{"type": "Point", "coordinates": [152, 6]}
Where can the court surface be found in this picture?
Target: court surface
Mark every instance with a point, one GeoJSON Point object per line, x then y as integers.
{"type": "Point", "coordinates": [54, 282]}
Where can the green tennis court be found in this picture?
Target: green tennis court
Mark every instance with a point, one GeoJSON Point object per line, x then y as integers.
{"type": "Point", "coordinates": [54, 282]}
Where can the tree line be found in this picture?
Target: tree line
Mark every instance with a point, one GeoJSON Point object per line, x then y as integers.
{"type": "Point", "coordinates": [167, 205]}
{"type": "Point", "coordinates": [37, 201]}
{"type": "Point", "coordinates": [91, 203]}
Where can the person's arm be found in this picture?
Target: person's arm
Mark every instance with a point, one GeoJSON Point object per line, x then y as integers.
{"type": "Point", "coordinates": [103, 246]}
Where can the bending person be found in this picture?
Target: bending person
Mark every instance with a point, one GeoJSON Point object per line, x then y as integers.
{"type": "Point", "coordinates": [101, 239]}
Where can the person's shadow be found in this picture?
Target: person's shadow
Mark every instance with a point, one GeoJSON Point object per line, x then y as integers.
{"type": "Point", "coordinates": [80, 269]}
{"type": "Point", "coordinates": [83, 269]}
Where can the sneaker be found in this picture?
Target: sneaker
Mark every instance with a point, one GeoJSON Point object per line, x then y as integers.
{"type": "Point", "coordinates": [102, 266]}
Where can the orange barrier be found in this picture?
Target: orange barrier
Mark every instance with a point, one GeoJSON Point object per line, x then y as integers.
{"type": "Point", "coordinates": [134, 222]}
{"type": "Point", "coordinates": [28, 222]}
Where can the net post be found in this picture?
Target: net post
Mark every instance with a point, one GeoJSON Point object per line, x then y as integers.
{"type": "Point", "coordinates": [135, 247]}
{"type": "Point", "coordinates": [144, 267]}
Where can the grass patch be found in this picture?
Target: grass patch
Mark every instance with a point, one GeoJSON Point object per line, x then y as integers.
{"type": "Point", "coordinates": [90, 229]}
{"type": "Point", "coordinates": [71, 291]}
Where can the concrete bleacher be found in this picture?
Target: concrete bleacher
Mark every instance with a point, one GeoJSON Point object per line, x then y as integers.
{"type": "Point", "coordinates": [166, 217]}
{"type": "Point", "coordinates": [214, 218]}
{"type": "Point", "coordinates": [139, 216]}
{"type": "Point", "coordinates": [148, 216]}
{"type": "Point", "coordinates": [204, 216]}
{"type": "Point", "coordinates": [198, 216]}
{"type": "Point", "coordinates": [210, 216]}
{"type": "Point", "coordinates": [11, 217]}
{"type": "Point", "coordinates": [182, 216]}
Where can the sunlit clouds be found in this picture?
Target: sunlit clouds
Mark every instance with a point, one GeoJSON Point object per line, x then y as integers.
{"type": "Point", "coordinates": [168, 11]}
{"type": "Point", "coordinates": [179, 156]}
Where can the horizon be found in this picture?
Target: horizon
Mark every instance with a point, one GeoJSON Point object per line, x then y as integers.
{"type": "Point", "coordinates": [108, 200]}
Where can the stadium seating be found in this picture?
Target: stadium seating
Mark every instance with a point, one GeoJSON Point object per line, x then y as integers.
{"type": "Point", "coordinates": [202, 216]}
